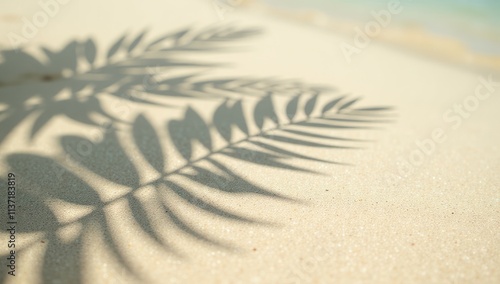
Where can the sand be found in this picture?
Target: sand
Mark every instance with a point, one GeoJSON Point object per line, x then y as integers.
{"type": "Point", "coordinates": [408, 194]}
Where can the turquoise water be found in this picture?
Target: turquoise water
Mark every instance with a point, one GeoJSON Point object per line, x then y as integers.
{"type": "Point", "coordinates": [475, 23]}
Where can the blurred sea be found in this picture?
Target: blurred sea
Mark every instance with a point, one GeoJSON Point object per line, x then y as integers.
{"type": "Point", "coordinates": [474, 23]}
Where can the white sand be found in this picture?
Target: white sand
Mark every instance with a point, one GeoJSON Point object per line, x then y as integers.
{"type": "Point", "coordinates": [437, 223]}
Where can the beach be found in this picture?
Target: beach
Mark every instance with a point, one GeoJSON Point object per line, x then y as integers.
{"type": "Point", "coordinates": [198, 142]}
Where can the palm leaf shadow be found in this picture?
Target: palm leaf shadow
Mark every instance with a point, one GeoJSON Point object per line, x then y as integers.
{"type": "Point", "coordinates": [72, 180]}
{"type": "Point", "coordinates": [129, 74]}
{"type": "Point", "coordinates": [212, 171]}
{"type": "Point", "coordinates": [136, 71]}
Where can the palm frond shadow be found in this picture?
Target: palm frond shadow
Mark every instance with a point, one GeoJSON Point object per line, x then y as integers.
{"type": "Point", "coordinates": [99, 177]}
{"type": "Point", "coordinates": [72, 82]}
{"type": "Point", "coordinates": [262, 139]}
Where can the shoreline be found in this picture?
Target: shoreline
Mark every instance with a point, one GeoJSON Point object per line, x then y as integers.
{"type": "Point", "coordinates": [410, 38]}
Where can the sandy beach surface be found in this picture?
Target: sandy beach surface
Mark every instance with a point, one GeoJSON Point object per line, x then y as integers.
{"type": "Point", "coordinates": [182, 142]}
